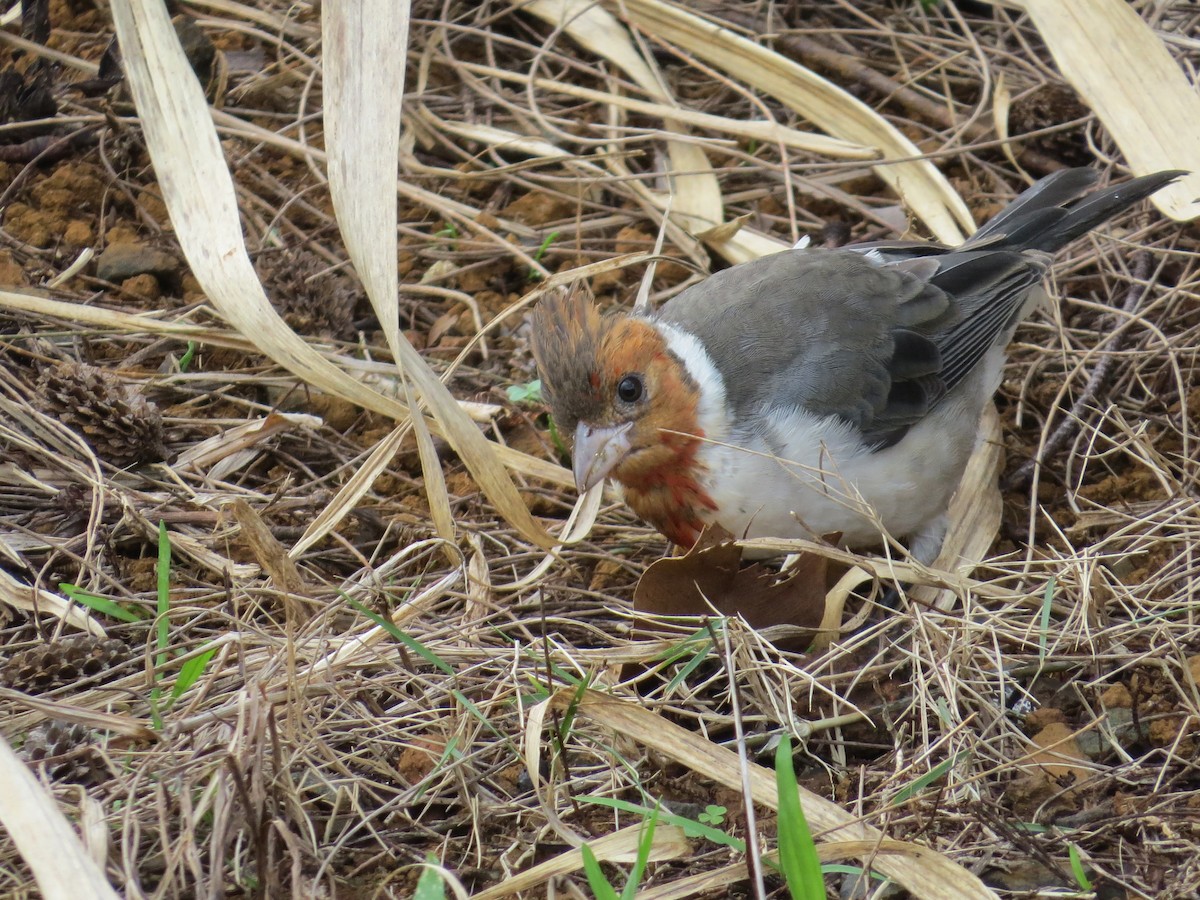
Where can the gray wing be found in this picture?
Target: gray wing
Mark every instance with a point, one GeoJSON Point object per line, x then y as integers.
{"type": "Point", "coordinates": [873, 340]}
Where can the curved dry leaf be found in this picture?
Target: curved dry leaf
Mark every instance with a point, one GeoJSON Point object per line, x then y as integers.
{"type": "Point", "coordinates": [199, 194]}
{"type": "Point", "coordinates": [924, 189]}
{"type": "Point", "coordinates": [46, 841]}
{"type": "Point", "coordinates": [30, 599]}
{"type": "Point", "coordinates": [364, 55]}
{"type": "Point", "coordinates": [619, 846]}
{"type": "Point", "coordinates": [710, 578]}
{"type": "Point", "coordinates": [1125, 73]}
{"type": "Point", "coordinates": [695, 197]}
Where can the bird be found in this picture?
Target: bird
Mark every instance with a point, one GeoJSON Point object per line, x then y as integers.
{"type": "Point", "coordinates": [812, 392]}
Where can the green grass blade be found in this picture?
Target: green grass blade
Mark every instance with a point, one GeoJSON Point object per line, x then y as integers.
{"type": "Point", "coordinates": [935, 774]}
{"type": "Point", "coordinates": [163, 636]}
{"type": "Point", "coordinates": [1044, 622]}
{"type": "Point", "coordinates": [404, 638]}
{"type": "Point", "coordinates": [190, 672]}
{"type": "Point", "coordinates": [691, 828]}
{"type": "Point", "coordinates": [430, 885]}
{"type": "Point", "coordinates": [102, 605]}
{"type": "Point", "coordinates": [1081, 878]}
{"type": "Point", "coordinates": [601, 889]}
{"type": "Point", "coordinates": [797, 851]}
{"type": "Point", "coordinates": [645, 844]}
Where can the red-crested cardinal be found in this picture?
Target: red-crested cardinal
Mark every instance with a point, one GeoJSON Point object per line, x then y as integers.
{"type": "Point", "coordinates": [812, 391]}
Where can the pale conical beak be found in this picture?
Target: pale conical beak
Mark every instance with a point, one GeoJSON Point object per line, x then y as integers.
{"type": "Point", "coordinates": [598, 450]}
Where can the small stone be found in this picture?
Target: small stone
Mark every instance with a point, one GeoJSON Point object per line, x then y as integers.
{"type": "Point", "coordinates": [142, 286]}
{"type": "Point", "coordinates": [1116, 697]}
{"type": "Point", "coordinates": [78, 233]}
{"type": "Point", "coordinates": [122, 261]}
{"type": "Point", "coordinates": [1040, 718]}
{"type": "Point", "coordinates": [11, 272]}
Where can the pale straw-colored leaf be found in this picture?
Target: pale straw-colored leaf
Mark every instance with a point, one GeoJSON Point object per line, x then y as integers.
{"type": "Point", "coordinates": [60, 864]}
{"type": "Point", "coordinates": [364, 57]}
{"type": "Point", "coordinates": [764, 131]}
{"type": "Point", "coordinates": [695, 194]}
{"type": "Point", "coordinates": [1001, 103]}
{"type": "Point", "coordinates": [918, 182]}
{"type": "Point", "coordinates": [1124, 72]}
{"type": "Point", "coordinates": [198, 191]}
{"type": "Point", "coordinates": [30, 599]}
{"type": "Point", "coordinates": [352, 491]}
{"type": "Point", "coordinates": [96, 719]}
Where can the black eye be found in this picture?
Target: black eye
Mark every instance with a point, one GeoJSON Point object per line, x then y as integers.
{"type": "Point", "coordinates": [630, 389]}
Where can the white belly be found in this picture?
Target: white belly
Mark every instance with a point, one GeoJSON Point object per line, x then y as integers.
{"type": "Point", "coordinates": [819, 479]}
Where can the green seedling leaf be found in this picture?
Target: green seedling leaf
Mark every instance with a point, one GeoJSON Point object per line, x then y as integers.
{"type": "Point", "coordinates": [535, 275]}
{"type": "Point", "coordinates": [163, 571]}
{"type": "Point", "coordinates": [1044, 622]}
{"type": "Point", "coordinates": [190, 672]}
{"type": "Point", "coordinates": [102, 605]}
{"type": "Point", "coordinates": [430, 885]}
{"type": "Point", "coordinates": [556, 439]}
{"type": "Point", "coordinates": [843, 869]}
{"type": "Point", "coordinates": [188, 356]}
{"type": "Point", "coordinates": [601, 889]}
{"type": "Point", "coordinates": [1081, 878]}
{"type": "Point", "coordinates": [797, 850]}
{"type": "Point", "coordinates": [531, 392]}
{"type": "Point", "coordinates": [639, 867]}
{"type": "Point", "coordinates": [713, 814]}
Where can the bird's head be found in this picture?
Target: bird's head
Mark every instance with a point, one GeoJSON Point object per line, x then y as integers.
{"type": "Point", "coordinates": [615, 385]}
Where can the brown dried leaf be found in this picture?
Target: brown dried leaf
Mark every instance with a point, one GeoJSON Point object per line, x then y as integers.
{"type": "Point", "coordinates": [711, 576]}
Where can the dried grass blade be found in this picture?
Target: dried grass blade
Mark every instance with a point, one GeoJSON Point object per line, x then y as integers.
{"type": "Point", "coordinates": [695, 198]}
{"type": "Point", "coordinates": [925, 873]}
{"type": "Point", "coordinates": [59, 711]}
{"type": "Point", "coordinates": [1125, 73]}
{"type": "Point", "coordinates": [349, 387]}
{"type": "Point", "coordinates": [46, 841]}
{"type": "Point", "coordinates": [759, 130]}
{"type": "Point", "coordinates": [918, 182]}
{"type": "Point", "coordinates": [975, 512]}
{"type": "Point", "coordinates": [200, 198]}
{"type": "Point", "coordinates": [619, 846]}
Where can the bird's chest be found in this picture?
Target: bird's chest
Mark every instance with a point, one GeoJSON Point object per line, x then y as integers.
{"type": "Point", "coordinates": [794, 474]}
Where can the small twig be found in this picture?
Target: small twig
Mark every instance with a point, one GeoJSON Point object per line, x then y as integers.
{"type": "Point", "coordinates": [1097, 383]}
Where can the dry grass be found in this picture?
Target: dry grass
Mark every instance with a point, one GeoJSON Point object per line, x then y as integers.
{"type": "Point", "coordinates": [319, 754]}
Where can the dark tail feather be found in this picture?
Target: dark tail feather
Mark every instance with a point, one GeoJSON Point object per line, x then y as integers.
{"type": "Point", "coordinates": [1041, 219]}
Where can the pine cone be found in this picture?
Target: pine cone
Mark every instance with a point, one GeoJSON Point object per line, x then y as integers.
{"type": "Point", "coordinates": [118, 422]}
{"type": "Point", "coordinates": [1052, 104]}
{"type": "Point", "coordinates": [68, 752]}
{"type": "Point", "coordinates": [311, 298]}
{"type": "Point", "coordinates": [45, 667]}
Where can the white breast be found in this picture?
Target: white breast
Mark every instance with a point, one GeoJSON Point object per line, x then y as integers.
{"type": "Point", "coordinates": [792, 474]}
